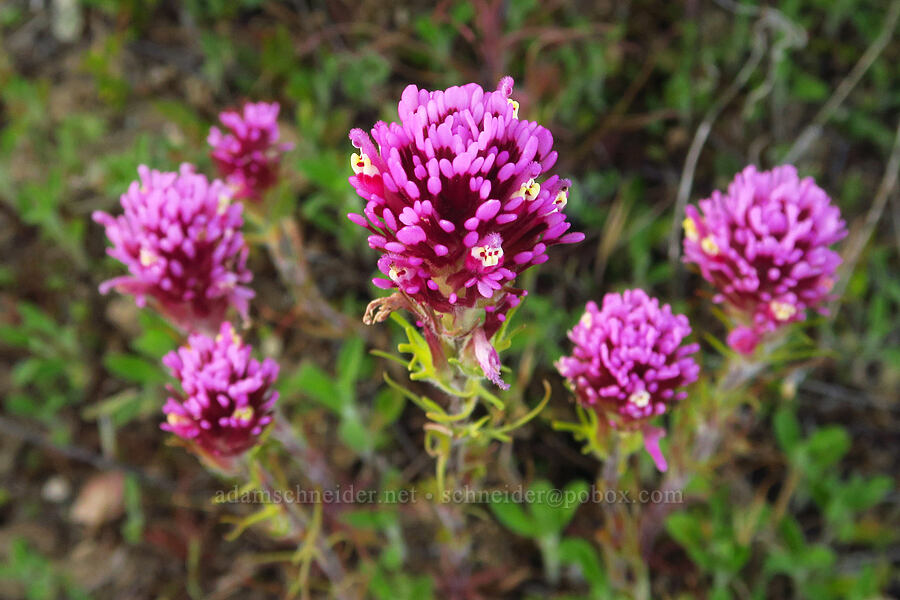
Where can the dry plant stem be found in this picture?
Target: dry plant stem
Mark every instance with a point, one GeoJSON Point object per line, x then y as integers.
{"type": "Point", "coordinates": [809, 135]}
{"type": "Point", "coordinates": [709, 435]}
{"type": "Point", "coordinates": [327, 560]}
{"type": "Point", "coordinates": [13, 429]}
{"type": "Point", "coordinates": [313, 464]}
{"type": "Point", "coordinates": [285, 245]}
{"type": "Point", "coordinates": [630, 568]}
{"type": "Point", "coordinates": [452, 518]}
{"type": "Point", "coordinates": [863, 234]}
{"type": "Point", "coordinates": [793, 36]}
{"type": "Point", "coordinates": [757, 51]}
{"type": "Point", "coordinates": [858, 242]}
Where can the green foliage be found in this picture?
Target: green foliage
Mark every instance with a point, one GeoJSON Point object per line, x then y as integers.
{"type": "Point", "coordinates": [53, 370]}
{"type": "Point", "coordinates": [543, 518]}
{"type": "Point", "coordinates": [36, 574]}
{"type": "Point", "coordinates": [135, 520]}
{"type": "Point", "coordinates": [842, 500]}
{"type": "Point", "coordinates": [722, 536]}
{"type": "Point", "coordinates": [386, 578]}
{"type": "Point", "coordinates": [141, 369]}
{"type": "Point", "coordinates": [361, 428]}
{"type": "Point", "coordinates": [710, 537]}
{"type": "Point", "coordinates": [623, 92]}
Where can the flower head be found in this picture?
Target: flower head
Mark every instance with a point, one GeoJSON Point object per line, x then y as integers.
{"type": "Point", "coordinates": [226, 397]}
{"type": "Point", "coordinates": [765, 246]}
{"type": "Point", "coordinates": [248, 155]}
{"type": "Point", "coordinates": [629, 362]}
{"type": "Point", "coordinates": [455, 205]}
{"type": "Point", "coordinates": [180, 238]}
{"type": "Point", "coordinates": [628, 359]}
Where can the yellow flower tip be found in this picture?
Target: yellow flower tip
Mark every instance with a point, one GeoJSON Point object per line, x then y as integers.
{"type": "Point", "coordinates": [244, 413]}
{"type": "Point", "coordinates": [235, 338]}
{"type": "Point", "coordinates": [709, 245]}
{"type": "Point", "coordinates": [562, 198]}
{"type": "Point", "coordinates": [175, 420]}
{"type": "Point", "coordinates": [587, 319]}
{"type": "Point", "coordinates": [488, 255]}
{"type": "Point", "coordinates": [515, 106]}
{"type": "Point", "coordinates": [224, 203]}
{"type": "Point", "coordinates": [362, 164]}
{"type": "Point", "coordinates": [782, 310]}
{"type": "Point", "coordinates": [641, 398]}
{"type": "Point", "coordinates": [690, 229]}
{"type": "Point", "coordinates": [147, 257]}
{"type": "Point", "coordinates": [529, 190]}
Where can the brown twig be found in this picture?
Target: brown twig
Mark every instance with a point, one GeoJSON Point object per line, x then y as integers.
{"type": "Point", "coordinates": [285, 246]}
{"type": "Point", "coordinates": [858, 242]}
{"type": "Point", "coordinates": [76, 453]}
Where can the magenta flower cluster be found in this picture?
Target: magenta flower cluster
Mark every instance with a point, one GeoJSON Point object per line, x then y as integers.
{"type": "Point", "coordinates": [180, 237]}
{"type": "Point", "coordinates": [226, 397]}
{"type": "Point", "coordinates": [629, 362]}
{"type": "Point", "coordinates": [455, 205]}
{"type": "Point", "coordinates": [764, 245]}
{"type": "Point", "coordinates": [248, 155]}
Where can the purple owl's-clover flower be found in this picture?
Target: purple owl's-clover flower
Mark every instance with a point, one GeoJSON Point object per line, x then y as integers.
{"type": "Point", "coordinates": [180, 237]}
{"type": "Point", "coordinates": [248, 155]}
{"type": "Point", "coordinates": [629, 364]}
{"type": "Point", "coordinates": [226, 397]}
{"type": "Point", "coordinates": [764, 246]}
{"type": "Point", "coordinates": [454, 205]}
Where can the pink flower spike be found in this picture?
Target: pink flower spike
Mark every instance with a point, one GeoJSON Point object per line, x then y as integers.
{"type": "Point", "coordinates": [226, 398]}
{"type": "Point", "coordinates": [180, 237]}
{"type": "Point", "coordinates": [472, 184]}
{"type": "Point", "coordinates": [765, 246]}
{"type": "Point", "coordinates": [248, 154]}
{"type": "Point", "coordinates": [629, 361]}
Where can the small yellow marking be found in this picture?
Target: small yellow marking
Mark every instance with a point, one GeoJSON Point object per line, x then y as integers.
{"type": "Point", "coordinates": [395, 272]}
{"type": "Point", "coordinates": [782, 310]}
{"type": "Point", "coordinates": [147, 257]}
{"type": "Point", "coordinates": [224, 202]}
{"type": "Point", "coordinates": [362, 164]}
{"type": "Point", "coordinates": [515, 106]}
{"type": "Point", "coordinates": [235, 338]}
{"type": "Point", "coordinates": [709, 245]}
{"type": "Point", "coordinates": [244, 414]}
{"type": "Point", "coordinates": [640, 398]}
{"type": "Point", "coordinates": [175, 419]}
{"type": "Point", "coordinates": [529, 190]}
{"type": "Point", "coordinates": [489, 256]}
{"type": "Point", "coordinates": [562, 198]}
{"type": "Point", "coordinates": [690, 229]}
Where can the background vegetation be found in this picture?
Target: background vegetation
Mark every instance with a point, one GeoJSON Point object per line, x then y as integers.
{"type": "Point", "coordinates": [800, 502]}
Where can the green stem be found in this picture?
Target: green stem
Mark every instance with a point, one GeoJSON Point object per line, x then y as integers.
{"type": "Point", "coordinates": [549, 545]}
{"type": "Point", "coordinates": [325, 557]}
